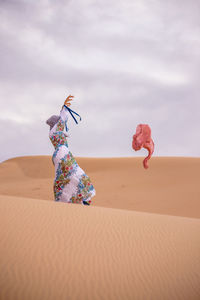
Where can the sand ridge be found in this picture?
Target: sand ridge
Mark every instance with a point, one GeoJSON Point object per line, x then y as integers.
{"type": "Point", "coordinates": [170, 185]}
{"type": "Point", "coordinates": [57, 251]}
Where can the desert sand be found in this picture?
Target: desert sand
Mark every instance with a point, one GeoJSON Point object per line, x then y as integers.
{"type": "Point", "coordinates": [140, 238]}
{"type": "Point", "coordinates": [170, 185]}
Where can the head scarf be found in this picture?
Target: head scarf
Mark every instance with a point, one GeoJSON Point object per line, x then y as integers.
{"type": "Point", "coordinates": [52, 121]}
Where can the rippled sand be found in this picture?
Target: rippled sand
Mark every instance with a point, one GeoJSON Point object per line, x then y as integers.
{"type": "Point", "coordinates": [109, 250]}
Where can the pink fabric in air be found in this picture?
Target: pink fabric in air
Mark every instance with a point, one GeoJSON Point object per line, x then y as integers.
{"type": "Point", "coordinates": [142, 138]}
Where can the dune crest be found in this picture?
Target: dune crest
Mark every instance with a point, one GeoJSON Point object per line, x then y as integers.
{"type": "Point", "coordinates": [170, 186]}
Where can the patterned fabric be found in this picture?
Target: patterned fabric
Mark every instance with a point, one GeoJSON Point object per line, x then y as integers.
{"type": "Point", "coordinates": [71, 184]}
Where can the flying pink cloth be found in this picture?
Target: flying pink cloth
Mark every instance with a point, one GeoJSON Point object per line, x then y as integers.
{"type": "Point", "coordinates": [142, 138]}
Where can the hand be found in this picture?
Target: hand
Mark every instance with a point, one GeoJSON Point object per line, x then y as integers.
{"type": "Point", "coordinates": [68, 99]}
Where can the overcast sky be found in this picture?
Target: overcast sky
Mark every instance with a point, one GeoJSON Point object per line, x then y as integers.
{"type": "Point", "coordinates": [126, 61]}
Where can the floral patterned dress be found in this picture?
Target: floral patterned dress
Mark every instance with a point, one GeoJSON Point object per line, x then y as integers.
{"type": "Point", "coordinates": [71, 184]}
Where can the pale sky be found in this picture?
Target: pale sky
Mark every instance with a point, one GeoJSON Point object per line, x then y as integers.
{"type": "Point", "coordinates": [126, 62]}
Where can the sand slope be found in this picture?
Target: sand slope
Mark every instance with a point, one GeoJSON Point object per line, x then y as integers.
{"type": "Point", "coordinates": [54, 251]}
{"type": "Point", "coordinates": [170, 185]}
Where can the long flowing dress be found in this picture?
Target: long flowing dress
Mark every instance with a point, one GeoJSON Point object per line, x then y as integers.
{"type": "Point", "coordinates": [71, 184]}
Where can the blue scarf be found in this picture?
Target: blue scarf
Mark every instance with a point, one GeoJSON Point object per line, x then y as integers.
{"type": "Point", "coordinates": [71, 113]}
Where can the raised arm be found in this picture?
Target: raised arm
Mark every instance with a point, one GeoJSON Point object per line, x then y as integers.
{"type": "Point", "coordinates": [64, 113]}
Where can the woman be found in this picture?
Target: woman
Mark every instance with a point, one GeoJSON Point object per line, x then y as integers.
{"type": "Point", "coordinates": [71, 184]}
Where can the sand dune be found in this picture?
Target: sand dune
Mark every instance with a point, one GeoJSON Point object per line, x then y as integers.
{"type": "Point", "coordinates": [53, 251]}
{"type": "Point", "coordinates": [139, 240]}
{"type": "Point", "coordinates": [170, 185]}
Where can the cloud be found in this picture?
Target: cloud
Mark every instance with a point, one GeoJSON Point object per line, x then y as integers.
{"type": "Point", "coordinates": [127, 62]}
